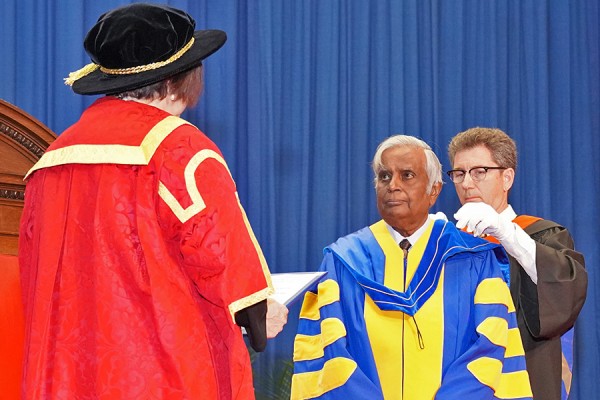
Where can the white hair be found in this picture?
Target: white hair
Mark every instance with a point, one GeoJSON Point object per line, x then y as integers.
{"type": "Point", "coordinates": [433, 167]}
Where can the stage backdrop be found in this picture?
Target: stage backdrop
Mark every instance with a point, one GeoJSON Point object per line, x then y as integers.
{"type": "Point", "coordinates": [304, 90]}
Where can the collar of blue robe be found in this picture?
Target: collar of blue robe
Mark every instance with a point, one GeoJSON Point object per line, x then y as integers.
{"type": "Point", "coordinates": [361, 252]}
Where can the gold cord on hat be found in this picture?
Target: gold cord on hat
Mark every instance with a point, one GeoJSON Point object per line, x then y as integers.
{"type": "Point", "coordinates": [89, 68]}
{"type": "Point", "coordinates": [80, 73]}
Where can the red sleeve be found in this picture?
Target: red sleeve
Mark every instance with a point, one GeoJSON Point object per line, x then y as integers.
{"type": "Point", "coordinates": [206, 223]}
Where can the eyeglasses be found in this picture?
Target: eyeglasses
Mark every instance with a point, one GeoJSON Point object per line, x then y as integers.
{"type": "Point", "coordinates": [477, 173]}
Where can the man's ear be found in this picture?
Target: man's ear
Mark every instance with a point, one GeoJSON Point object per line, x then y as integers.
{"type": "Point", "coordinates": [508, 178]}
{"type": "Point", "coordinates": [436, 189]}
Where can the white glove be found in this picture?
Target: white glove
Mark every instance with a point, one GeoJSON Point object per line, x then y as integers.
{"type": "Point", "coordinates": [481, 219]}
{"type": "Point", "coordinates": [439, 215]}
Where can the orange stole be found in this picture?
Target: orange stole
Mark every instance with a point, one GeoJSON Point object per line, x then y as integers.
{"type": "Point", "coordinates": [522, 220]}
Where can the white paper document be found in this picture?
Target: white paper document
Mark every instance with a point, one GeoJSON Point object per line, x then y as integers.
{"type": "Point", "coordinates": [289, 286]}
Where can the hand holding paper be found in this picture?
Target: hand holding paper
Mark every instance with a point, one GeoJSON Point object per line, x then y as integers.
{"type": "Point", "coordinates": [277, 315]}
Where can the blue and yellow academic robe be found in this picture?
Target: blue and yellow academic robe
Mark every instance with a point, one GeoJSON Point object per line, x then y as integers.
{"type": "Point", "coordinates": [440, 324]}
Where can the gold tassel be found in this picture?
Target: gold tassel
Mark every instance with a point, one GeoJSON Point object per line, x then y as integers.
{"type": "Point", "coordinates": [80, 73]}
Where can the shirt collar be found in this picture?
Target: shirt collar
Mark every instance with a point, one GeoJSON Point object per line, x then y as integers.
{"type": "Point", "coordinates": [509, 213]}
{"type": "Point", "coordinates": [412, 238]}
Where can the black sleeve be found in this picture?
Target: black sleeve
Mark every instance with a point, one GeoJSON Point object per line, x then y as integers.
{"type": "Point", "coordinates": [253, 319]}
{"type": "Point", "coordinates": [553, 305]}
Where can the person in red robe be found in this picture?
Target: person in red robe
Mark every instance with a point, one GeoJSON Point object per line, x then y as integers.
{"type": "Point", "coordinates": [138, 264]}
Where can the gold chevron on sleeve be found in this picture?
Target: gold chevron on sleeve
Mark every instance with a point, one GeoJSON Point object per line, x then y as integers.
{"type": "Point", "coordinates": [328, 292]}
{"type": "Point", "coordinates": [514, 385]}
{"type": "Point", "coordinates": [335, 373]}
{"type": "Point", "coordinates": [511, 385]}
{"type": "Point", "coordinates": [514, 347]}
{"type": "Point", "coordinates": [486, 370]}
{"type": "Point", "coordinates": [495, 329]}
{"type": "Point", "coordinates": [198, 204]}
{"type": "Point", "coordinates": [310, 307]}
{"type": "Point", "coordinates": [494, 291]}
{"type": "Point", "coordinates": [311, 347]}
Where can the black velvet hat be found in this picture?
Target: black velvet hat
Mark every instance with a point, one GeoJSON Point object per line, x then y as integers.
{"type": "Point", "coordinates": [140, 44]}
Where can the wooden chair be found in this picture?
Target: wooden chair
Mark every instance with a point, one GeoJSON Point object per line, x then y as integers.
{"type": "Point", "coordinates": [23, 140]}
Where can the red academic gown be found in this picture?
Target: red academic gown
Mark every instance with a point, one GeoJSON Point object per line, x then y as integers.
{"type": "Point", "coordinates": [135, 254]}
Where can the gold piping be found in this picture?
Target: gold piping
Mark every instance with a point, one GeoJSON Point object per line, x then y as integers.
{"type": "Point", "coordinates": [148, 67]}
{"type": "Point", "coordinates": [80, 73]}
{"type": "Point", "coordinates": [111, 153]}
{"type": "Point", "coordinates": [269, 290]}
{"type": "Point", "coordinates": [198, 204]}
{"type": "Point", "coordinates": [89, 68]}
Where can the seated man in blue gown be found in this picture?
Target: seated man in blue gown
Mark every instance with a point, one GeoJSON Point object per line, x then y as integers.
{"type": "Point", "coordinates": [412, 308]}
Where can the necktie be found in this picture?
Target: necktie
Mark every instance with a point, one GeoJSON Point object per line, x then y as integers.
{"type": "Point", "coordinates": [405, 245]}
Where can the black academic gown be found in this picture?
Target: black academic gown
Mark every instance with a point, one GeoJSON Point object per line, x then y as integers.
{"type": "Point", "coordinates": [549, 309]}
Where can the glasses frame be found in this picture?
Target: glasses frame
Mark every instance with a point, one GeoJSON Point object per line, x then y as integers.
{"type": "Point", "coordinates": [450, 173]}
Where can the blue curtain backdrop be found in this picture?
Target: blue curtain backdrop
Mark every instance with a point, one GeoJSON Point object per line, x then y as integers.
{"type": "Point", "coordinates": [304, 90]}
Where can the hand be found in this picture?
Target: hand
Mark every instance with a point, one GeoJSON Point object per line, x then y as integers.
{"type": "Point", "coordinates": [439, 215]}
{"type": "Point", "coordinates": [481, 219]}
{"type": "Point", "coordinates": [277, 314]}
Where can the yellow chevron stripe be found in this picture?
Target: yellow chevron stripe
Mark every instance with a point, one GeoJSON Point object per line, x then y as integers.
{"type": "Point", "coordinates": [307, 347]}
{"type": "Point", "coordinates": [334, 374]}
{"type": "Point", "coordinates": [494, 291]}
{"type": "Point", "coordinates": [495, 329]}
{"type": "Point", "coordinates": [510, 385]}
{"type": "Point", "coordinates": [514, 346]}
{"type": "Point", "coordinates": [328, 292]}
{"type": "Point", "coordinates": [514, 385]}
{"type": "Point", "coordinates": [486, 370]}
